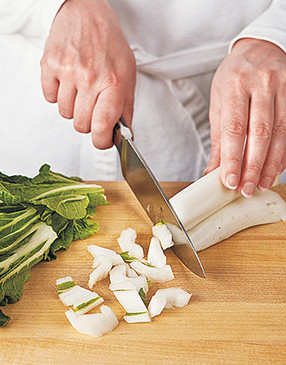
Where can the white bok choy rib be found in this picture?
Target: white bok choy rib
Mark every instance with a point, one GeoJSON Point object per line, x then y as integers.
{"type": "Point", "coordinates": [202, 198]}
{"type": "Point", "coordinates": [155, 274]}
{"type": "Point", "coordinates": [261, 208]}
{"type": "Point", "coordinates": [128, 296]}
{"type": "Point", "coordinates": [82, 300]}
{"type": "Point", "coordinates": [65, 284]}
{"type": "Point", "coordinates": [156, 255]}
{"type": "Point", "coordinates": [164, 235]}
{"type": "Point", "coordinates": [167, 298]}
{"type": "Point", "coordinates": [118, 274]}
{"type": "Point", "coordinates": [126, 242]}
{"type": "Point", "coordinates": [96, 324]}
{"type": "Point", "coordinates": [102, 265]}
{"type": "Point", "coordinates": [102, 251]}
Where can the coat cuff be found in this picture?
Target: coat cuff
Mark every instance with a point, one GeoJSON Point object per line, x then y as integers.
{"type": "Point", "coordinates": [274, 36]}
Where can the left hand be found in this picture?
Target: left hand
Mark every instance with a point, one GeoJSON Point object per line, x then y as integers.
{"type": "Point", "coordinates": [248, 99]}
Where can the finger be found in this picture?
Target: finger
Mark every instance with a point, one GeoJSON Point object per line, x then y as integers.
{"type": "Point", "coordinates": [283, 164]}
{"type": "Point", "coordinates": [214, 116]}
{"type": "Point", "coordinates": [258, 139]}
{"type": "Point", "coordinates": [128, 110]}
{"type": "Point", "coordinates": [274, 161]}
{"type": "Point", "coordinates": [50, 86]}
{"type": "Point", "coordinates": [234, 118]}
{"type": "Point", "coordinates": [107, 111]}
{"type": "Point", "coordinates": [84, 104]}
{"type": "Point", "coordinates": [66, 99]}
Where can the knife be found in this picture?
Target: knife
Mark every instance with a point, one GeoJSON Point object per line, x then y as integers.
{"type": "Point", "coordinates": [147, 190]}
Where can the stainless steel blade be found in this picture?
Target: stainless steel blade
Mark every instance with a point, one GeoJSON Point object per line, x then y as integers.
{"type": "Point", "coordinates": [153, 200]}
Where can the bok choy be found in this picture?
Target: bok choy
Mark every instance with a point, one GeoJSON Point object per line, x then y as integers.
{"type": "Point", "coordinates": [39, 216]}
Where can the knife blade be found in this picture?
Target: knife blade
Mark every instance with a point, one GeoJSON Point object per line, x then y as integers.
{"type": "Point", "coordinates": [153, 200]}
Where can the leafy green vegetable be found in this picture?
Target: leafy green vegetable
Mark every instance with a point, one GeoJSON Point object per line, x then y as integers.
{"type": "Point", "coordinates": [127, 258]}
{"type": "Point", "coordinates": [70, 198]}
{"type": "Point", "coordinates": [65, 286]}
{"type": "Point", "coordinates": [86, 304]}
{"type": "Point", "coordinates": [143, 296]}
{"type": "Point", "coordinates": [39, 216]}
{"type": "Point", "coordinates": [135, 314]}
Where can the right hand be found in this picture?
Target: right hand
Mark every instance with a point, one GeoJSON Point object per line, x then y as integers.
{"type": "Point", "coordinates": [89, 69]}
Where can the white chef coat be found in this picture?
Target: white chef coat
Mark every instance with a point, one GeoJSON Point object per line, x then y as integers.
{"type": "Point", "coordinates": [178, 45]}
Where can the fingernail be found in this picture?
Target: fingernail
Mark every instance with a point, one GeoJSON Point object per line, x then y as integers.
{"type": "Point", "coordinates": [265, 183]}
{"type": "Point", "coordinates": [231, 181]}
{"type": "Point", "coordinates": [248, 189]}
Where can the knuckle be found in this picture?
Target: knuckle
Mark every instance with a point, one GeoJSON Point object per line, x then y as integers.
{"type": "Point", "coordinates": [267, 78]}
{"type": "Point", "coordinates": [233, 160]}
{"type": "Point", "coordinates": [215, 145]}
{"type": "Point", "coordinates": [49, 63]}
{"type": "Point", "coordinates": [235, 127]}
{"type": "Point", "coordinates": [253, 168]}
{"type": "Point", "coordinates": [279, 128]}
{"type": "Point", "coordinates": [261, 130]}
{"type": "Point", "coordinates": [272, 167]}
{"type": "Point", "coordinates": [87, 75]}
{"type": "Point", "coordinates": [103, 128]}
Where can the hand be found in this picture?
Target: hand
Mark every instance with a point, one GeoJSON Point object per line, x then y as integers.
{"type": "Point", "coordinates": [248, 99]}
{"type": "Point", "coordinates": [89, 69]}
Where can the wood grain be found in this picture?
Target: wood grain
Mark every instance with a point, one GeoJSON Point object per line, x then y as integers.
{"type": "Point", "coordinates": [236, 316]}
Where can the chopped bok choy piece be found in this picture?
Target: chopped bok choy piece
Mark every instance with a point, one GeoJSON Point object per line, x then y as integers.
{"type": "Point", "coordinates": [164, 235]}
{"type": "Point", "coordinates": [85, 304]}
{"type": "Point", "coordinates": [102, 266]}
{"type": "Point", "coordinates": [126, 242]}
{"type": "Point", "coordinates": [137, 317]}
{"type": "Point", "coordinates": [156, 255]}
{"type": "Point", "coordinates": [154, 274]}
{"type": "Point", "coordinates": [128, 296]}
{"type": "Point", "coordinates": [65, 284]}
{"type": "Point", "coordinates": [96, 324]}
{"type": "Point", "coordinates": [167, 298]}
{"type": "Point", "coordinates": [101, 251]}
{"type": "Point", "coordinates": [262, 207]}
{"type": "Point", "coordinates": [119, 274]}
{"type": "Point", "coordinates": [130, 272]}
{"type": "Point", "coordinates": [82, 300]}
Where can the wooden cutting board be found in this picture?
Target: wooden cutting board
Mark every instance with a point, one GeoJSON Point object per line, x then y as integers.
{"type": "Point", "coordinates": [236, 315]}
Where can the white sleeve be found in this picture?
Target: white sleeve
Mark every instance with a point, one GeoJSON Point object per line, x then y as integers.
{"type": "Point", "coordinates": [30, 18]}
{"type": "Point", "coordinates": [269, 26]}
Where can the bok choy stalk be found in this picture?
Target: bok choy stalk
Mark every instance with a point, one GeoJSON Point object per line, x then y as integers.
{"type": "Point", "coordinates": [163, 234]}
{"type": "Point", "coordinates": [96, 324]}
{"type": "Point", "coordinates": [207, 195]}
{"type": "Point", "coordinates": [262, 207]}
{"type": "Point", "coordinates": [156, 255]}
{"type": "Point", "coordinates": [203, 198]}
{"type": "Point", "coordinates": [126, 242]}
{"type": "Point", "coordinates": [155, 274]}
{"type": "Point", "coordinates": [102, 265]}
{"type": "Point", "coordinates": [167, 298]}
{"type": "Point", "coordinates": [128, 296]}
{"type": "Point", "coordinates": [38, 217]}
{"type": "Point", "coordinates": [82, 300]}
{"type": "Point", "coordinates": [101, 251]}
